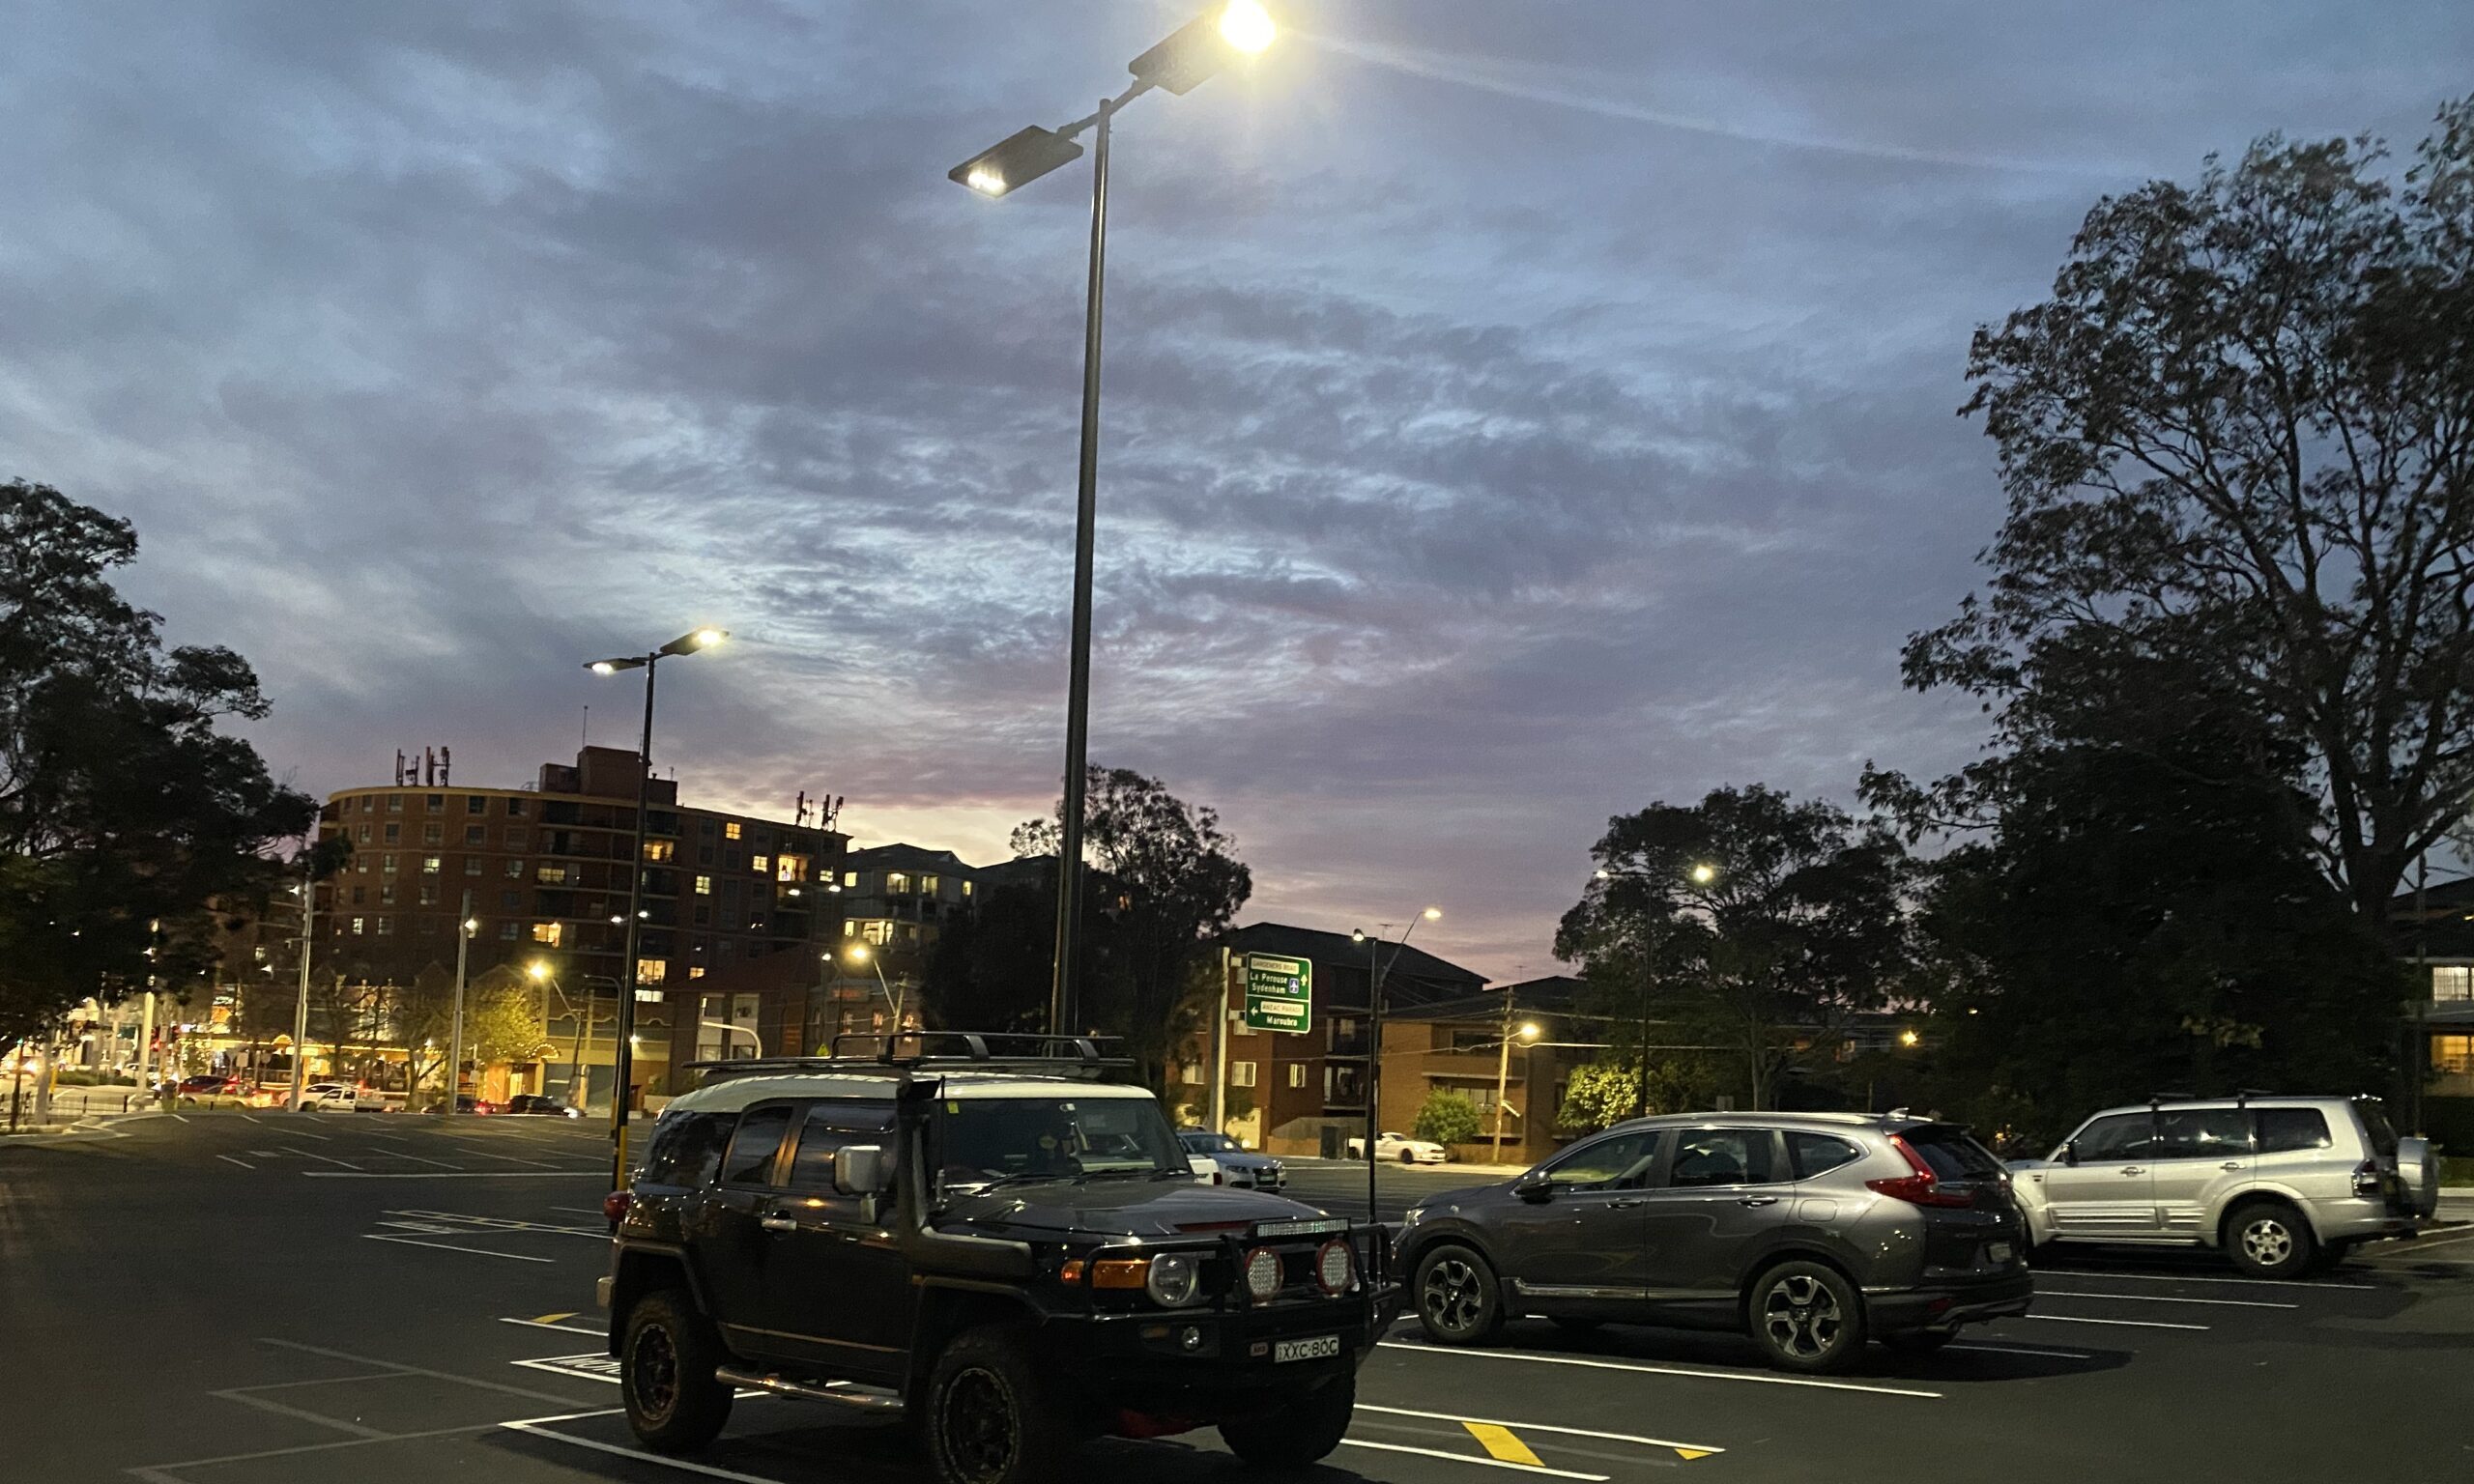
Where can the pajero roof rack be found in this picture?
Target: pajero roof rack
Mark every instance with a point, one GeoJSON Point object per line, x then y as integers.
{"type": "Point", "coordinates": [1004, 1051]}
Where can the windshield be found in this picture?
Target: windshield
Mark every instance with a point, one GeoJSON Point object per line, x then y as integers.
{"type": "Point", "coordinates": [1210, 1143]}
{"type": "Point", "coordinates": [982, 1140]}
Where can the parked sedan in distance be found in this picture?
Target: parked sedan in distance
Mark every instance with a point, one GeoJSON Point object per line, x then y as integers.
{"type": "Point", "coordinates": [1402, 1148]}
{"type": "Point", "coordinates": [542, 1105]}
{"type": "Point", "coordinates": [1236, 1164]}
{"type": "Point", "coordinates": [1812, 1233]}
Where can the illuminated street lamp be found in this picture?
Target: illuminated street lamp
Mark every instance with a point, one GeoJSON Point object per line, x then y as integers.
{"type": "Point", "coordinates": [1226, 34]}
{"type": "Point", "coordinates": [1700, 873]}
{"type": "Point", "coordinates": [1375, 969]}
{"type": "Point", "coordinates": [693, 641]}
{"type": "Point", "coordinates": [857, 953]}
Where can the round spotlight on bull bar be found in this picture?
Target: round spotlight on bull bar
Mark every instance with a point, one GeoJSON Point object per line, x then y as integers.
{"type": "Point", "coordinates": [1262, 1275]}
{"type": "Point", "coordinates": [1335, 1267]}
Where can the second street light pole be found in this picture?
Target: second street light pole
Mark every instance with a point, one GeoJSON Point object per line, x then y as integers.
{"type": "Point", "coordinates": [455, 1022]}
{"type": "Point", "coordinates": [308, 890]}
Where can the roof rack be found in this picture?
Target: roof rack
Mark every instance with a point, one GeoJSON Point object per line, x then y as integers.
{"type": "Point", "coordinates": [907, 1051]}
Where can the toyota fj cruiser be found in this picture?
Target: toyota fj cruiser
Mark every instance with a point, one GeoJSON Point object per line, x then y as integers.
{"type": "Point", "coordinates": [1011, 1246]}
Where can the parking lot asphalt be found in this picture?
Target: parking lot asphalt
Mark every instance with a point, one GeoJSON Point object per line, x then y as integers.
{"type": "Point", "coordinates": [281, 1299]}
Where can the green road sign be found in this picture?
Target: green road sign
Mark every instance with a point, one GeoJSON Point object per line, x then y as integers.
{"type": "Point", "coordinates": [1280, 992]}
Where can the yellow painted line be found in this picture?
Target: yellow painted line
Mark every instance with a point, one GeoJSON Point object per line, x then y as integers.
{"type": "Point", "coordinates": [552, 1319]}
{"type": "Point", "coordinates": [1687, 1450]}
{"type": "Point", "coordinates": [1502, 1445]}
{"type": "Point", "coordinates": [1689, 1454]}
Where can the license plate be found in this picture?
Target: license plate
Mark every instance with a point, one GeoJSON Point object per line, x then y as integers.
{"type": "Point", "coordinates": [1322, 1347]}
{"type": "Point", "coordinates": [2000, 1251]}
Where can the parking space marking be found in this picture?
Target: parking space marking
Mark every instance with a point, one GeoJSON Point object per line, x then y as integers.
{"type": "Point", "coordinates": [2222, 1304]}
{"type": "Point", "coordinates": [157, 1474]}
{"type": "Point", "coordinates": [1501, 1442]}
{"type": "Point", "coordinates": [1688, 1449]}
{"type": "Point", "coordinates": [302, 1413]}
{"type": "Point", "coordinates": [1679, 1370]}
{"type": "Point", "coordinates": [1457, 1458]}
{"type": "Point", "coordinates": [2022, 1350]}
{"type": "Point", "coordinates": [507, 1223]}
{"type": "Point", "coordinates": [2161, 1277]}
{"type": "Point", "coordinates": [2127, 1323]}
{"type": "Point", "coordinates": [537, 1324]}
{"type": "Point", "coordinates": [401, 1369]}
{"type": "Point", "coordinates": [242, 1163]}
{"type": "Point", "coordinates": [2411, 1248]}
{"type": "Point", "coordinates": [310, 1154]}
{"type": "Point", "coordinates": [514, 1257]}
{"type": "Point", "coordinates": [534, 1427]}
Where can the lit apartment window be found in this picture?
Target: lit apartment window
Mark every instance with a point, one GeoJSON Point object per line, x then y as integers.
{"type": "Point", "coordinates": [549, 933]}
{"type": "Point", "coordinates": [385, 926]}
{"type": "Point", "coordinates": [850, 879]}
{"type": "Point", "coordinates": [849, 928]}
{"type": "Point", "coordinates": [394, 803]}
{"type": "Point", "coordinates": [430, 864]}
{"type": "Point", "coordinates": [1192, 1074]}
{"type": "Point", "coordinates": [551, 875]}
{"type": "Point", "coordinates": [1241, 1074]}
{"type": "Point", "coordinates": [927, 886]}
{"type": "Point", "coordinates": [880, 932]}
{"type": "Point", "coordinates": [1297, 1074]}
{"type": "Point", "coordinates": [729, 830]}
{"type": "Point", "coordinates": [355, 927]}
{"type": "Point", "coordinates": [387, 864]}
{"type": "Point", "coordinates": [704, 886]}
{"type": "Point", "coordinates": [2452, 1054]}
{"type": "Point", "coordinates": [660, 849]}
{"type": "Point", "coordinates": [386, 894]}
{"type": "Point", "coordinates": [696, 970]}
{"type": "Point", "coordinates": [651, 971]}
{"type": "Point", "coordinates": [895, 883]}
{"type": "Point", "coordinates": [760, 864]}
{"type": "Point", "coordinates": [790, 867]}
{"type": "Point", "coordinates": [966, 888]}
{"type": "Point", "coordinates": [2452, 984]}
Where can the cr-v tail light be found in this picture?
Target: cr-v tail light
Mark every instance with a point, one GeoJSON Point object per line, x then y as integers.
{"type": "Point", "coordinates": [1922, 1187]}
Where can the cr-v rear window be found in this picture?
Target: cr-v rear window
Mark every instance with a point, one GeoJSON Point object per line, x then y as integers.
{"type": "Point", "coordinates": [1953, 1155]}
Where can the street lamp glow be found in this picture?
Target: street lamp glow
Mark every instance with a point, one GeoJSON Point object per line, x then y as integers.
{"type": "Point", "coordinates": [1433, 914]}
{"type": "Point", "coordinates": [1530, 1031]}
{"type": "Point", "coordinates": [1906, 1037]}
{"type": "Point", "coordinates": [856, 953]}
{"type": "Point", "coordinates": [987, 180]}
{"type": "Point", "coordinates": [472, 925]}
{"type": "Point", "coordinates": [706, 638]}
{"type": "Point", "coordinates": [1705, 873]}
{"type": "Point", "coordinates": [604, 667]}
{"type": "Point", "coordinates": [536, 970]}
{"type": "Point", "coordinates": [1246, 26]}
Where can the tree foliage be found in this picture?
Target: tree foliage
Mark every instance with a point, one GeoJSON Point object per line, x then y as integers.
{"type": "Point", "coordinates": [124, 808]}
{"type": "Point", "coordinates": [1164, 879]}
{"type": "Point", "coordinates": [1604, 1093]}
{"type": "Point", "coordinates": [1448, 1117]}
{"type": "Point", "coordinates": [2238, 445]}
{"type": "Point", "coordinates": [1798, 925]}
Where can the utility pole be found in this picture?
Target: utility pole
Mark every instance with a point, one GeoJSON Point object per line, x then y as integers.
{"type": "Point", "coordinates": [1219, 1049]}
{"type": "Point", "coordinates": [455, 1022]}
{"type": "Point", "coordinates": [143, 1064]}
{"type": "Point", "coordinates": [1502, 1080]}
{"type": "Point", "coordinates": [2419, 1056]}
{"type": "Point", "coordinates": [308, 890]}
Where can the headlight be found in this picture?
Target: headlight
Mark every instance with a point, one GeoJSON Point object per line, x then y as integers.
{"type": "Point", "coordinates": [1176, 1279]}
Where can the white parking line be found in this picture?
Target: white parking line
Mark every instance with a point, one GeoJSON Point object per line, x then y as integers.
{"type": "Point", "coordinates": [2073, 1277]}
{"type": "Point", "coordinates": [507, 1223]}
{"type": "Point", "coordinates": [310, 1154]}
{"type": "Point", "coordinates": [534, 1426]}
{"type": "Point", "coordinates": [2022, 1350]}
{"type": "Point", "coordinates": [443, 1246]}
{"type": "Point", "coordinates": [1678, 1370]}
{"type": "Point", "coordinates": [1457, 1458]}
{"type": "Point", "coordinates": [534, 1324]}
{"type": "Point", "coordinates": [2411, 1248]}
{"type": "Point", "coordinates": [388, 1153]}
{"type": "Point", "coordinates": [2222, 1304]}
{"type": "Point", "coordinates": [2127, 1323]}
{"type": "Point", "coordinates": [242, 1163]}
{"type": "Point", "coordinates": [1541, 1427]}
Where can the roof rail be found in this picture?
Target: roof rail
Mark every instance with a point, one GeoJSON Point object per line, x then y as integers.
{"type": "Point", "coordinates": [1004, 1051]}
{"type": "Point", "coordinates": [2157, 1099]}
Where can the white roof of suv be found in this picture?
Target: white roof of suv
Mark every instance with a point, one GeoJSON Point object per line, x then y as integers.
{"type": "Point", "coordinates": [730, 1095]}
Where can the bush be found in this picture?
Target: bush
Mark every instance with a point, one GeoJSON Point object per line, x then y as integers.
{"type": "Point", "coordinates": [1449, 1118]}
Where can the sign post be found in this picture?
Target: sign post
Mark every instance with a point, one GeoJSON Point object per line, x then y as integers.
{"type": "Point", "coordinates": [1280, 993]}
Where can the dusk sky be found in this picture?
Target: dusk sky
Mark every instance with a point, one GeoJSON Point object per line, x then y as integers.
{"type": "Point", "coordinates": [1515, 414]}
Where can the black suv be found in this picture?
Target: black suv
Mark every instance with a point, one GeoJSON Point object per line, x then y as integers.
{"type": "Point", "coordinates": [1010, 1243]}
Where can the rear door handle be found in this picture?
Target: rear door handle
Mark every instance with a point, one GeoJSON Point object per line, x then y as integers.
{"type": "Point", "coordinates": [2231, 1164]}
{"type": "Point", "coordinates": [1756, 1200]}
{"type": "Point", "coordinates": [1627, 1204]}
{"type": "Point", "coordinates": [2134, 1169]}
{"type": "Point", "coordinates": [778, 1224]}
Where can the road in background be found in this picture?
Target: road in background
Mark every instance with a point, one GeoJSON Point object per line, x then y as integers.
{"type": "Point", "coordinates": [284, 1299]}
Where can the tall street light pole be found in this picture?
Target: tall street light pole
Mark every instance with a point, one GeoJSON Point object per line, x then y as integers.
{"type": "Point", "coordinates": [464, 930]}
{"type": "Point", "coordinates": [308, 890]}
{"type": "Point", "coordinates": [1374, 970]}
{"type": "Point", "coordinates": [622, 1058]}
{"type": "Point", "coordinates": [859, 953]}
{"type": "Point", "coordinates": [1702, 873]}
{"type": "Point", "coordinates": [1202, 47]}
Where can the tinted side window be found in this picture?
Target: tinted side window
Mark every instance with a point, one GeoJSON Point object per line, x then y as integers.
{"type": "Point", "coordinates": [2122, 1136]}
{"type": "Point", "coordinates": [1622, 1159]}
{"type": "Point", "coordinates": [2202, 1133]}
{"type": "Point", "coordinates": [1813, 1153]}
{"type": "Point", "coordinates": [752, 1150]}
{"type": "Point", "coordinates": [828, 1127]}
{"type": "Point", "coordinates": [1724, 1156]}
{"type": "Point", "coordinates": [2283, 1130]}
{"type": "Point", "coordinates": [686, 1149]}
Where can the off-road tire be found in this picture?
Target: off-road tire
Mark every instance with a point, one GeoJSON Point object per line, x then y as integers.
{"type": "Point", "coordinates": [1459, 1299]}
{"type": "Point", "coordinates": [666, 1363]}
{"type": "Point", "coordinates": [988, 1419]}
{"type": "Point", "coordinates": [1806, 1318]}
{"type": "Point", "coordinates": [1304, 1431]}
{"type": "Point", "coordinates": [2269, 1239]}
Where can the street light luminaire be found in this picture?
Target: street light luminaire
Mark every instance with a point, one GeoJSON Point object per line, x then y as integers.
{"type": "Point", "coordinates": [1204, 45]}
{"type": "Point", "coordinates": [1020, 159]}
{"type": "Point", "coordinates": [1705, 873]}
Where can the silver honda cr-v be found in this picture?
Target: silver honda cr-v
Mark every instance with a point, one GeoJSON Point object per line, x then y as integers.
{"type": "Point", "coordinates": [1810, 1232]}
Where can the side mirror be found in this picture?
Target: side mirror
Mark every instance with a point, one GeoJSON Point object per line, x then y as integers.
{"type": "Point", "coordinates": [1534, 1185]}
{"type": "Point", "coordinates": [862, 1169]}
{"type": "Point", "coordinates": [2069, 1153]}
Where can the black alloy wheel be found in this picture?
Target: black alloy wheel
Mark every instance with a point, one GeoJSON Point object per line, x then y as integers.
{"type": "Point", "coordinates": [1458, 1299]}
{"type": "Point", "coordinates": [1807, 1317]}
